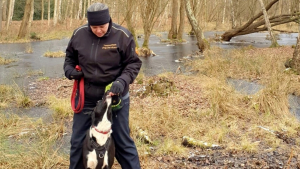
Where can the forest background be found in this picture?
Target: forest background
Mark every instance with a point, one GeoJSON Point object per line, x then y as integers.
{"type": "Point", "coordinates": [251, 131]}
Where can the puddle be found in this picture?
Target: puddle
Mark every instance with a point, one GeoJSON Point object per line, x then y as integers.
{"type": "Point", "coordinates": [250, 88]}
{"type": "Point", "coordinates": [242, 86]}
{"type": "Point", "coordinates": [294, 102]}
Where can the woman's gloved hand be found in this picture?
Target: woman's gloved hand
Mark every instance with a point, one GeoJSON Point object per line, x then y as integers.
{"type": "Point", "coordinates": [117, 87]}
{"type": "Point", "coordinates": [74, 74]}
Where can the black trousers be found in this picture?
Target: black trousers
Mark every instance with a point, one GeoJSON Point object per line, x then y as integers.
{"type": "Point", "coordinates": [126, 152]}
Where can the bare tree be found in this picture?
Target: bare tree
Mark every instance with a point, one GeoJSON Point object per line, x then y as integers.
{"type": "Point", "coordinates": [79, 14]}
{"type": "Point", "coordinates": [195, 25]}
{"type": "Point", "coordinates": [4, 10]}
{"type": "Point", "coordinates": [84, 8]}
{"type": "Point", "coordinates": [55, 13]}
{"type": "Point", "coordinates": [59, 10]}
{"type": "Point", "coordinates": [173, 31]}
{"type": "Point", "coordinates": [49, 17]}
{"type": "Point", "coordinates": [67, 10]}
{"type": "Point", "coordinates": [268, 25]}
{"type": "Point", "coordinates": [71, 12]}
{"type": "Point", "coordinates": [42, 14]}
{"type": "Point", "coordinates": [10, 13]}
{"type": "Point", "coordinates": [150, 11]}
{"type": "Point", "coordinates": [1, 15]}
{"type": "Point", "coordinates": [182, 19]}
{"type": "Point", "coordinates": [232, 14]}
{"type": "Point", "coordinates": [251, 26]}
{"type": "Point", "coordinates": [224, 12]}
{"type": "Point", "coordinates": [31, 15]}
{"type": "Point", "coordinates": [25, 22]}
{"type": "Point", "coordinates": [128, 19]}
{"type": "Point", "coordinates": [295, 62]}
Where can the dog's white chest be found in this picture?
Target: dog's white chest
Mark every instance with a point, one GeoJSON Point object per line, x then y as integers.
{"type": "Point", "coordinates": [93, 161]}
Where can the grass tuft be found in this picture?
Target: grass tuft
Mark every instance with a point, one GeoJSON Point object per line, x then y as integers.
{"type": "Point", "coordinates": [13, 96]}
{"type": "Point", "coordinates": [62, 108]}
{"type": "Point", "coordinates": [55, 54]}
{"type": "Point", "coordinates": [29, 143]}
{"type": "Point", "coordinates": [4, 61]}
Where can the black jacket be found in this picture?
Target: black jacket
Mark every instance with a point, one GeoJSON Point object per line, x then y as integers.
{"type": "Point", "coordinates": [103, 60]}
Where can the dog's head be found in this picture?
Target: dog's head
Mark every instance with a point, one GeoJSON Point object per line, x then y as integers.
{"type": "Point", "coordinates": [103, 110]}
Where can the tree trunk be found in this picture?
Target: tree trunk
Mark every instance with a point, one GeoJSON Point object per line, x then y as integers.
{"type": "Point", "coordinates": [10, 13]}
{"type": "Point", "coordinates": [59, 10]}
{"type": "Point", "coordinates": [79, 14]}
{"type": "Point", "coordinates": [182, 20]}
{"type": "Point", "coordinates": [1, 15]}
{"type": "Point", "coordinates": [49, 17]}
{"type": "Point", "coordinates": [42, 14]}
{"type": "Point", "coordinates": [251, 26]}
{"type": "Point", "coordinates": [295, 62]}
{"type": "Point", "coordinates": [31, 16]}
{"type": "Point", "coordinates": [25, 22]}
{"type": "Point", "coordinates": [194, 23]}
{"type": "Point", "coordinates": [55, 13]}
{"type": "Point", "coordinates": [173, 31]}
{"type": "Point", "coordinates": [128, 19]}
{"type": "Point", "coordinates": [67, 11]}
{"type": "Point", "coordinates": [4, 10]}
{"type": "Point", "coordinates": [150, 12]}
{"type": "Point", "coordinates": [71, 12]}
{"type": "Point", "coordinates": [233, 13]}
{"type": "Point", "coordinates": [147, 33]}
{"type": "Point", "coordinates": [84, 8]}
{"type": "Point", "coordinates": [224, 12]}
{"type": "Point", "coordinates": [268, 25]}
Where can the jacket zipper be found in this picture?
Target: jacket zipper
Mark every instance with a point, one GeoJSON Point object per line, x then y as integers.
{"type": "Point", "coordinates": [96, 51]}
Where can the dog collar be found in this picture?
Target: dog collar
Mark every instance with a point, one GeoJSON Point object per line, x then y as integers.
{"type": "Point", "coordinates": [102, 132]}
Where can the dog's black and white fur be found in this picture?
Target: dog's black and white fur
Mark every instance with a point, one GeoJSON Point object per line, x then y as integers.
{"type": "Point", "coordinates": [98, 146]}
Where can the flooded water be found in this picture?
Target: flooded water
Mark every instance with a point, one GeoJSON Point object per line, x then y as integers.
{"type": "Point", "coordinates": [35, 64]}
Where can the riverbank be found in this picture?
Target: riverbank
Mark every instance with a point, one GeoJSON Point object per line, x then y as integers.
{"type": "Point", "coordinates": [252, 131]}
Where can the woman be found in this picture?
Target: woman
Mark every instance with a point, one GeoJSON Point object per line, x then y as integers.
{"type": "Point", "coordinates": [106, 54]}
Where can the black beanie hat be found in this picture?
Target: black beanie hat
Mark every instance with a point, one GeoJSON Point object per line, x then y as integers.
{"type": "Point", "coordinates": [98, 17]}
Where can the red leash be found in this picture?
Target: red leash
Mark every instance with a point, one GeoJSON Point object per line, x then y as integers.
{"type": "Point", "coordinates": [78, 85]}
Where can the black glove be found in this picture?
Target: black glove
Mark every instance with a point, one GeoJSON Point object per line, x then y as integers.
{"type": "Point", "coordinates": [117, 87]}
{"type": "Point", "coordinates": [76, 74]}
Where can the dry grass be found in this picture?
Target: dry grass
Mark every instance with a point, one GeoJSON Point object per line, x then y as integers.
{"type": "Point", "coordinates": [40, 30]}
{"type": "Point", "coordinates": [28, 143]}
{"type": "Point", "coordinates": [13, 96]}
{"type": "Point", "coordinates": [61, 107]}
{"type": "Point", "coordinates": [207, 108]}
{"type": "Point", "coordinates": [57, 54]}
{"type": "Point", "coordinates": [4, 61]}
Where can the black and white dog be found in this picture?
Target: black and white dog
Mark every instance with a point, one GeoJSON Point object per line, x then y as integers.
{"type": "Point", "coordinates": [98, 146]}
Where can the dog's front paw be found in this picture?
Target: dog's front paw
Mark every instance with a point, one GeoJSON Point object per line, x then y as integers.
{"type": "Point", "coordinates": [92, 161]}
{"type": "Point", "coordinates": [91, 164]}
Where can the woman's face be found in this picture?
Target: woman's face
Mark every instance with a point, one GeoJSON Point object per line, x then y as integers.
{"type": "Point", "coordinates": [100, 30]}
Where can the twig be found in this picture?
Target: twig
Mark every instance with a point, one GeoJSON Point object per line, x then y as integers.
{"type": "Point", "coordinates": [289, 160]}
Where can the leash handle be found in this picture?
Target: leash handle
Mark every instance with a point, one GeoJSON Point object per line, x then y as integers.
{"type": "Point", "coordinates": [78, 87]}
{"type": "Point", "coordinates": [78, 68]}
